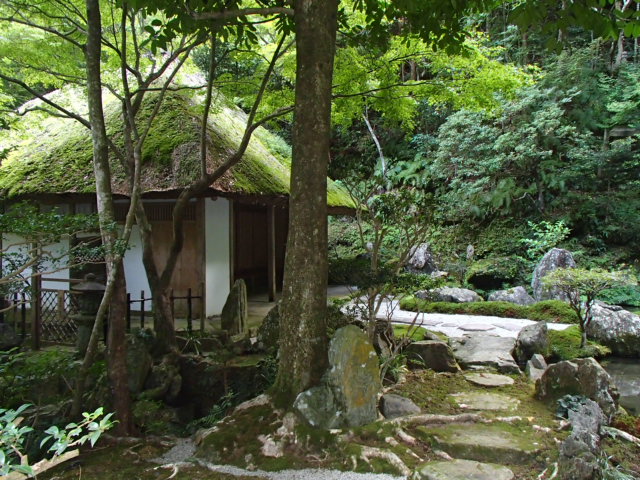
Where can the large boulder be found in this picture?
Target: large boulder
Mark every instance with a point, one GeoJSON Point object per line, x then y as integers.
{"type": "Point", "coordinates": [532, 339]}
{"type": "Point", "coordinates": [481, 350]}
{"type": "Point", "coordinates": [420, 260]}
{"type": "Point", "coordinates": [449, 294]}
{"type": "Point", "coordinates": [433, 354]}
{"type": "Point", "coordinates": [348, 393]}
{"type": "Point", "coordinates": [235, 312]}
{"type": "Point", "coordinates": [616, 328]}
{"type": "Point", "coordinates": [517, 295]}
{"type": "Point", "coordinates": [583, 377]}
{"type": "Point", "coordinates": [269, 331]}
{"type": "Point", "coordinates": [8, 337]}
{"type": "Point", "coordinates": [553, 260]}
{"type": "Point", "coordinates": [494, 272]}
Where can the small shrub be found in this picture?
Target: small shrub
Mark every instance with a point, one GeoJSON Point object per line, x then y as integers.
{"type": "Point", "coordinates": [545, 236]}
{"type": "Point", "coordinates": [565, 345]}
{"type": "Point", "coordinates": [554, 311]}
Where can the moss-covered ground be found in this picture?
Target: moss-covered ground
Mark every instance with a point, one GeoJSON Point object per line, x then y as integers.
{"type": "Point", "coordinates": [130, 463]}
{"type": "Point", "coordinates": [236, 439]}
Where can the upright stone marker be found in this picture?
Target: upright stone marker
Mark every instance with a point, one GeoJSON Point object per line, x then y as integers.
{"type": "Point", "coordinates": [235, 313]}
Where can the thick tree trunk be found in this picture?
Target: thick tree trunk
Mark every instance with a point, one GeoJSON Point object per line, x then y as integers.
{"type": "Point", "coordinates": [104, 199]}
{"type": "Point", "coordinates": [303, 335]}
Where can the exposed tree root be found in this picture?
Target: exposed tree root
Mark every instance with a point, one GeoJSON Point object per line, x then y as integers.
{"type": "Point", "coordinates": [175, 468]}
{"type": "Point", "coordinates": [389, 457]}
{"type": "Point", "coordinates": [617, 433]}
{"type": "Point", "coordinates": [405, 437]}
{"type": "Point", "coordinates": [428, 419]}
{"type": "Point", "coordinates": [442, 455]}
{"type": "Point", "coordinates": [554, 474]}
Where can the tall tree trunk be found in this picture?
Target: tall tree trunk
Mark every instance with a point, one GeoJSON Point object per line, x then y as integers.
{"type": "Point", "coordinates": [117, 351]}
{"type": "Point", "coordinates": [303, 333]}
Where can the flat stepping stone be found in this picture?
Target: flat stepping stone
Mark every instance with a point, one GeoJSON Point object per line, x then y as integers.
{"type": "Point", "coordinates": [489, 379]}
{"type": "Point", "coordinates": [487, 351]}
{"type": "Point", "coordinates": [483, 443]}
{"type": "Point", "coordinates": [487, 401]}
{"type": "Point", "coordinates": [476, 327]}
{"type": "Point", "coordinates": [463, 470]}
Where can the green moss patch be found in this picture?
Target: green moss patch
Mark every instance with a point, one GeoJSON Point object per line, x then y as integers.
{"type": "Point", "coordinates": [565, 345]}
{"type": "Point", "coordinates": [552, 311]}
{"type": "Point", "coordinates": [415, 333]}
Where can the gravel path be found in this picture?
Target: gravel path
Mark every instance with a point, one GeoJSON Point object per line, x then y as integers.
{"type": "Point", "coordinates": [459, 325]}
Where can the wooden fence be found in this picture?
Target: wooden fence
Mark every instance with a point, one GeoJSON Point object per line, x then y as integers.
{"type": "Point", "coordinates": [48, 314]}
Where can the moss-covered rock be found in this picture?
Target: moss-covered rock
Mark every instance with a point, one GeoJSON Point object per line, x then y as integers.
{"type": "Point", "coordinates": [565, 345]}
{"type": "Point", "coordinates": [495, 272]}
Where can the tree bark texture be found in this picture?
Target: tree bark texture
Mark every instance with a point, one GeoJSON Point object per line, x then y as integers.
{"type": "Point", "coordinates": [104, 199]}
{"type": "Point", "coordinates": [303, 333]}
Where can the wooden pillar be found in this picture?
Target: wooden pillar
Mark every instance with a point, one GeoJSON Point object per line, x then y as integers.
{"type": "Point", "coordinates": [36, 307]}
{"type": "Point", "coordinates": [271, 253]}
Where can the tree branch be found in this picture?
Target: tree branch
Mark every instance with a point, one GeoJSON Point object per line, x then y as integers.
{"type": "Point", "coordinates": [242, 12]}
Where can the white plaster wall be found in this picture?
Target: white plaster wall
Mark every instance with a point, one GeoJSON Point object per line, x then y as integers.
{"type": "Point", "coordinates": [12, 243]}
{"type": "Point", "coordinates": [134, 271]}
{"type": "Point", "coordinates": [217, 253]}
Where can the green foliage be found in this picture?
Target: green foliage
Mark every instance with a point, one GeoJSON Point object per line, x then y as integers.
{"type": "Point", "coordinates": [545, 236]}
{"type": "Point", "coordinates": [553, 311]}
{"type": "Point", "coordinates": [40, 377]}
{"type": "Point", "coordinates": [11, 441]}
{"type": "Point", "coordinates": [628, 295]}
{"type": "Point", "coordinates": [12, 436]}
{"type": "Point", "coordinates": [565, 345]}
{"type": "Point", "coordinates": [89, 429]}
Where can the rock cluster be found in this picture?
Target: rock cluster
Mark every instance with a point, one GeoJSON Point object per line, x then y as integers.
{"type": "Point", "coordinates": [583, 377]}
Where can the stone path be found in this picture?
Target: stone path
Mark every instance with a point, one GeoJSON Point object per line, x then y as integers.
{"type": "Point", "coordinates": [459, 325]}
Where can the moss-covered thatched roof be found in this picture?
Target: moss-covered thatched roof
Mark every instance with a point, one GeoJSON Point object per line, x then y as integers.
{"type": "Point", "coordinates": [51, 155]}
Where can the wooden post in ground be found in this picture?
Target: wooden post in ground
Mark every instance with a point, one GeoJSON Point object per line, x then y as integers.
{"type": "Point", "coordinates": [36, 307]}
{"type": "Point", "coordinates": [271, 253]}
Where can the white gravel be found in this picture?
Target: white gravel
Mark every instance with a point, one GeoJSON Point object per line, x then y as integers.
{"type": "Point", "coordinates": [459, 325]}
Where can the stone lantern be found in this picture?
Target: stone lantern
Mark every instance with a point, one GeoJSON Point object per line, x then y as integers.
{"type": "Point", "coordinates": [89, 295]}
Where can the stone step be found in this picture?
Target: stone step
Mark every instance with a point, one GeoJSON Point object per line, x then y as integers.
{"type": "Point", "coordinates": [487, 401]}
{"type": "Point", "coordinates": [462, 470]}
{"type": "Point", "coordinates": [484, 443]}
{"type": "Point", "coordinates": [486, 379]}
